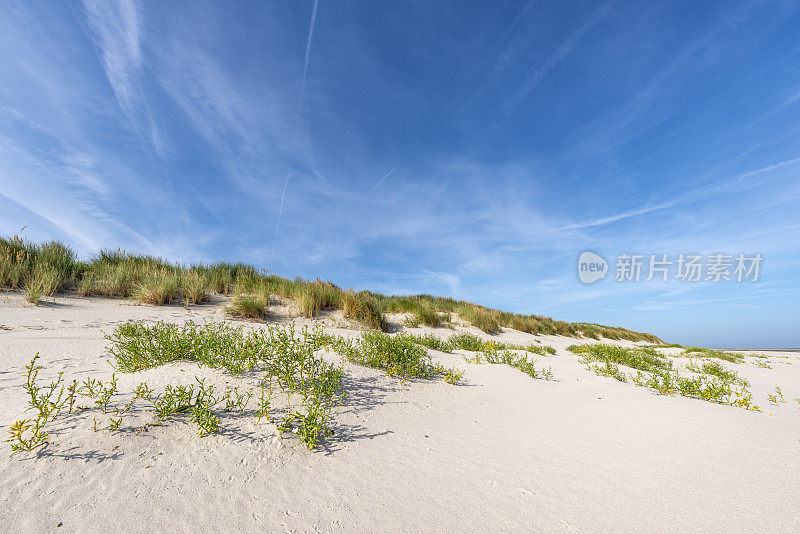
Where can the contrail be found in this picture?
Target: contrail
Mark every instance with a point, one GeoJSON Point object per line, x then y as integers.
{"type": "Point", "coordinates": [385, 176]}
{"type": "Point", "coordinates": [559, 53]}
{"type": "Point", "coordinates": [280, 212]}
{"type": "Point", "coordinates": [308, 51]}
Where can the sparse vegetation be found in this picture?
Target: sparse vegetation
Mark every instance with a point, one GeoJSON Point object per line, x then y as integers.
{"type": "Point", "coordinates": [655, 371]}
{"type": "Point", "coordinates": [313, 387]}
{"type": "Point", "coordinates": [777, 397]}
{"type": "Point", "coordinates": [47, 402]}
{"type": "Point", "coordinates": [713, 353]}
{"type": "Point", "coordinates": [431, 341]}
{"type": "Point", "coordinates": [397, 355]}
{"type": "Point", "coordinates": [518, 361]}
{"type": "Point", "coordinates": [608, 369]}
{"type": "Point", "coordinates": [715, 369]}
{"type": "Point", "coordinates": [641, 358]}
{"type": "Point", "coordinates": [466, 341]}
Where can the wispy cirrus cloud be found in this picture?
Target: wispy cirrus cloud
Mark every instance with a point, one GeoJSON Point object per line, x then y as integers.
{"type": "Point", "coordinates": [171, 129]}
{"type": "Point", "coordinates": [116, 31]}
{"type": "Point", "coordinates": [563, 49]}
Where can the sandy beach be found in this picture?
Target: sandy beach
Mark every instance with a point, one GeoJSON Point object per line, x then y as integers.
{"type": "Point", "coordinates": [375, 267]}
{"type": "Point", "coordinates": [500, 452]}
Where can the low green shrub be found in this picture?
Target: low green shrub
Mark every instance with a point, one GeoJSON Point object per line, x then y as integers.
{"type": "Point", "coordinates": [713, 353]}
{"type": "Point", "coordinates": [397, 355]}
{"type": "Point", "coordinates": [641, 358]}
{"type": "Point", "coordinates": [654, 371]}
{"type": "Point", "coordinates": [518, 361]}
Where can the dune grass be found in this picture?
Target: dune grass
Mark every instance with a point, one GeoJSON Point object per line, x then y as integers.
{"type": "Point", "coordinates": [420, 309]}
{"type": "Point", "coordinates": [116, 273]}
{"type": "Point", "coordinates": [195, 286]}
{"type": "Point", "coordinates": [43, 281]}
{"type": "Point", "coordinates": [39, 269]}
{"type": "Point", "coordinates": [247, 307]}
{"type": "Point", "coordinates": [316, 296]}
{"type": "Point", "coordinates": [480, 317]}
{"type": "Point", "coordinates": [157, 286]}
{"type": "Point", "coordinates": [362, 308]}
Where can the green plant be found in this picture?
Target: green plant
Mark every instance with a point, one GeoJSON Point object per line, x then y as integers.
{"type": "Point", "coordinates": [400, 355]}
{"type": "Point", "coordinates": [264, 401]}
{"type": "Point", "coordinates": [715, 369]}
{"type": "Point", "coordinates": [430, 341]}
{"type": "Point", "coordinates": [101, 394]}
{"type": "Point", "coordinates": [287, 360]}
{"type": "Point", "coordinates": [714, 384]}
{"type": "Point", "coordinates": [453, 376]}
{"type": "Point", "coordinates": [608, 369]}
{"type": "Point", "coordinates": [777, 397]}
{"type": "Point", "coordinates": [712, 353]}
{"type": "Point", "coordinates": [46, 401]}
{"type": "Point", "coordinates": [236, 401]}
{"type": "Point", "coordinates": [641, 358]}
{"type": "Point", "coordinates": [397, 355]}
{"type": "Point", "coordinates": [512, 359]}
{"type": "Point", "coordinates": [466, 342]}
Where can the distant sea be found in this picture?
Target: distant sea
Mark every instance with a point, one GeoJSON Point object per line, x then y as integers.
{"type": "Point", "coordinates": [781, 349]}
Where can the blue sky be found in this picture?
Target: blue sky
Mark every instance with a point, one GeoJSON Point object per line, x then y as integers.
{"type": "Point", "coordinates": [467, 149]}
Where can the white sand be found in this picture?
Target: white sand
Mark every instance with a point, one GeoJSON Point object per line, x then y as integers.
{"type": "Point", "coordinates": [502, 453]}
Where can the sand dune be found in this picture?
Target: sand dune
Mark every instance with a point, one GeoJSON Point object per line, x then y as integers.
{"type": "Point", "coordinates": [502, 452]}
